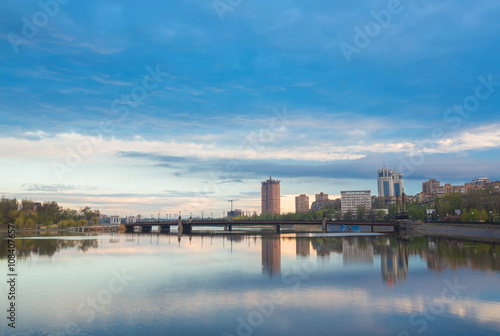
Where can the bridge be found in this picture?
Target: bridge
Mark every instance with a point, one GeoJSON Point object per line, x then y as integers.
{"type": "Point", "coordinates": [186, 227]}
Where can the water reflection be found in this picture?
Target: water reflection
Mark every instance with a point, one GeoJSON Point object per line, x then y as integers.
{"type": "Point", "coordinates": [357, 251]}
{"type": "Point", "coordinates": [45, 246]}
{"type": "Point", "coordinates": [439, 254]}
{"type": "Point", "coordinates": [394, 262]}
{"type": "Point", "coordinates": [201, 284]}
{"type": "Point", "coordinates": [303, 247]}
{"type": "Point", "coordinates": [271, 255]}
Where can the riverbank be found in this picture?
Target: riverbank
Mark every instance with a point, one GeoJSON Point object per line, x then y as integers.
{"type": "Point", "coordinates": [481, 232]}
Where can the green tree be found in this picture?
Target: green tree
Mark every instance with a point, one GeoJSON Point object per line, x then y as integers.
{"type": "Point", "coordinates": [82, 222]}
{"type": "Point", "coordinates": [7, 210]}
{"type": "Point", "coordinates": [380, 215]}
{"type": "Point", "coordinates": [361, 212]}
{"type": "Point", "coordinates": [88, 213]}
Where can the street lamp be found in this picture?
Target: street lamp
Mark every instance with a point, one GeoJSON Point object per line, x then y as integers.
{"type": "Point", "coordinates": [491, 217]}
{"type": "Point", "coordinates": [472, 216]}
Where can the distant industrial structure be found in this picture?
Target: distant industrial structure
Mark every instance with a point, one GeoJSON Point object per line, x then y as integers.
{"type": "Point", "coordinates": [270, 197]}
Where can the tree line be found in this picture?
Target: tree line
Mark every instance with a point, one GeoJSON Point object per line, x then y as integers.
{"type": "Point", "coordinates": [30, 214]}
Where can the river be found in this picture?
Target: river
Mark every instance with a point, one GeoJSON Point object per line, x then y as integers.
{"type": "Point", "coordinates": [244, 283]}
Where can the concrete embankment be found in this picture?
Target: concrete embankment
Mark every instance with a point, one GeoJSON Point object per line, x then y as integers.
{"type": "Point", "coordinates": [483, 232]}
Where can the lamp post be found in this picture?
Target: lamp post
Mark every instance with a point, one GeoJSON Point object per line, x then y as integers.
{"type": "Point", "coordinates": [472, 216]}
{"type": "Point", "coordinates": [491, 217]}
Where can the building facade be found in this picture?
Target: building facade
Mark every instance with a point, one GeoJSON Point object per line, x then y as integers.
{"type": "Point", "coordinates": [270, 197]}
{"type": "Point", "coordinates": [322, 202]}
{"type": "Point", "coordinates": [430, 187]}
{"type": "Point", "coordinates": [389, 182]}
{"type": "Point", "coordinates": [481, 181]}
{"type": "Point", "coordinates": [235, 213]}
{"type": "Point", "coordinates": [301, 203]}
{"type": "Point", "coordinates": [351, 200]}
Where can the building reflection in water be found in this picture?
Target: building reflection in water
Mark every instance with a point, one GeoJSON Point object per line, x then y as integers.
{"type": "Point", "coordinates": [271, 255]}
{"type": "Point", "coordinates": [357, 251]}
{"type": "Point", "coordinates": [394, 262]}
{"type": "Point", "coordinates": [302, 247]}
{"type": "Point", "coordinates": [324, 246]}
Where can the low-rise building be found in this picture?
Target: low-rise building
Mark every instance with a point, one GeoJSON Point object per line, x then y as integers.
{"type": "Point", "coordinates": [235, 213]}
{"type": "Point", "coordinates": [322, 202]}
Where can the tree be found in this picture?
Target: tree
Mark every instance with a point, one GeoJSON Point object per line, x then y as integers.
{"type": "Point", "coordinates": [348, 216]}
{"type": "Point", "coordinates": [49, 213]}
{"type": "Point", "coordinates": [82, 222]}
{"type": "Point", "coordinates": [87, 213]}
{"type": "Point", "coordinates": [380, 215]}
{"type": "Point", "coordinates": [7, 208]}
{"type": "Point", "coordinates": [361, 212]}
{"type": "Point", "coordinates": [392, 212]}
{"type": "Point", "coordinates": [372, 215]}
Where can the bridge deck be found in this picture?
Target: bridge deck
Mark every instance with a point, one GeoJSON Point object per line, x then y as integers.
{"type": "Point", "coordinates": [261, 223]}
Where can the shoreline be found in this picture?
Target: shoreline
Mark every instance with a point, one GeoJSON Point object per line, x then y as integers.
{"type": "Point", "coordinates": [480, 232]}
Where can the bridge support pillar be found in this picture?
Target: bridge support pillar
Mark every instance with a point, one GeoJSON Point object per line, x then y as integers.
{"type": "Point", "coordinates": [371, 227]}
{"type": "Point", "coordinates": [277, 228]}
{"type": "Point", "coordinates": [324, 226]}
{"type": "Point", "coordinates": [183, 228]}
{"type": "Point", "coordinates": [164, 228]}
{"type": "Point", "coordinates": [228, 227]}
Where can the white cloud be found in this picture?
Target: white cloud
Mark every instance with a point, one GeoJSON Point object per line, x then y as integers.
{"type": "Point", "coordinates": [40, 144]}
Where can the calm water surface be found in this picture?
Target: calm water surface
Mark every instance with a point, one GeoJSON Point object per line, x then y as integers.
{"type": "Point", "coordinates": [243, 284]}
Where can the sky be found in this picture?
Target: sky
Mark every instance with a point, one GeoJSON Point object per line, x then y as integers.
{"type": "Point", "coordinates": [143, 107]}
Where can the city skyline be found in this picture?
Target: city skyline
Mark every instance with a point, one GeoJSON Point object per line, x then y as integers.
{"type": "Point", "coordinates": [171, 107]}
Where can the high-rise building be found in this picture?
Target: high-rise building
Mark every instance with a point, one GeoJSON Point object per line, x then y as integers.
{"type": "Point", "coordinates": [390, 182]}
{"type": "Point", "coordinates": [301, 203]}
{"type": "Point", "coordinates": [351, 200]}
{"type": "Point", "coordinates": [270, 197]}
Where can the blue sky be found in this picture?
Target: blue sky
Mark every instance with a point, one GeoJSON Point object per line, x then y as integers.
{"type": "Point", "coordinates": [136, 107]}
